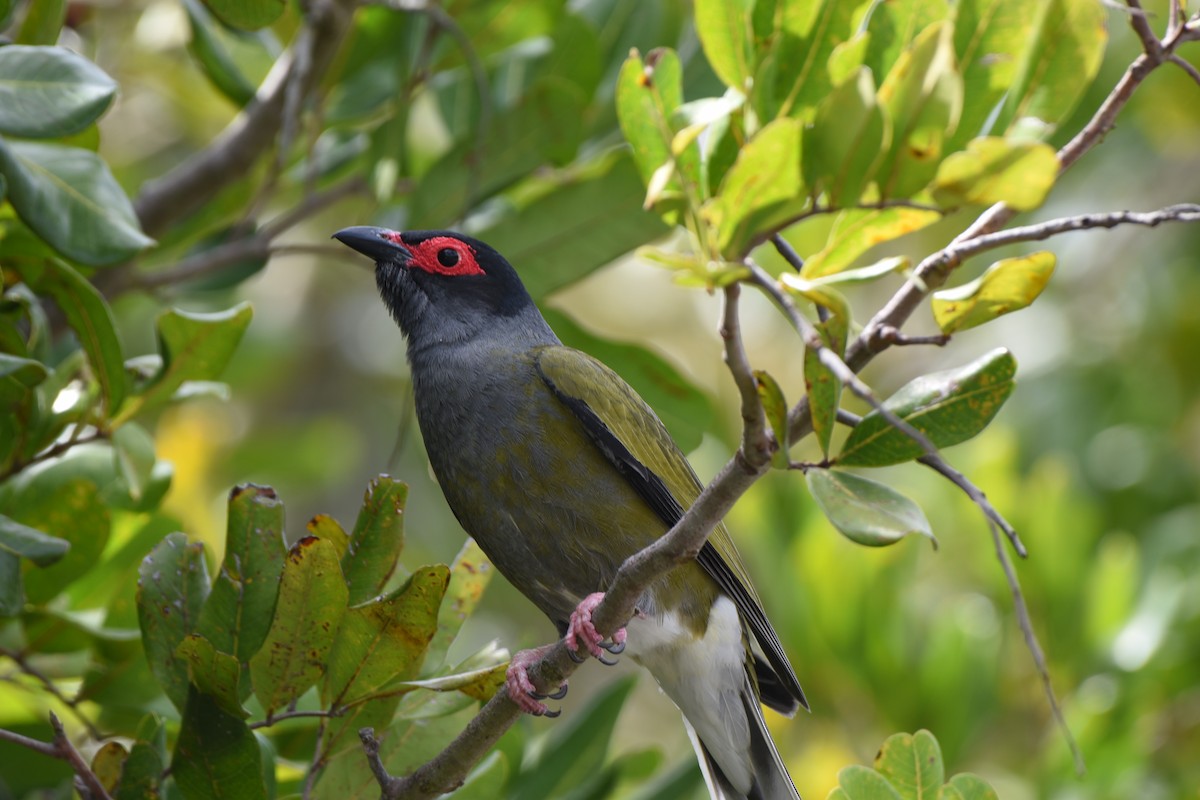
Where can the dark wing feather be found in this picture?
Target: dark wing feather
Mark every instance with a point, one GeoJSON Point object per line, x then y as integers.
{"type": "Point", "coordinates": [778, 683]}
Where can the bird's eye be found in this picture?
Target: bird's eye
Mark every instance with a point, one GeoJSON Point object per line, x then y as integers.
{"type": "Point", "coordinates": [447, 256]}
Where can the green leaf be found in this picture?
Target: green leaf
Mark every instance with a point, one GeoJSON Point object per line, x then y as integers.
{"type": "Point", "coordinates": [912, 763]}
{"type": "Point", "coordinates": [990, 37]}
{"type": "Point", "coordinates": [133, 454]}
{"type": "Point", "coordinates": [576, 228]}
{"type": "Point", "coordinates": [822, 384]}
{"type": "Point", "coordinates": [69, 198]}
{"type": "Point", "coordinates": [844, 146]}
{"type": "Point", "coordinates": [685, 410]}
{"type": "Point", "coordinates": [647, 95]}
{"type": "Point", "coordinates": [107, 764]}
{"type": "Point", "coordinates": [865, 511]}
{"type": "Point", "coordinates": [544, 126]}
{"type": "Point", "coordinates": [794, 77]}
{"type": "Point", "coordinates": [972, 787]}
{"type": "Point", "coordinates": [194, 347]}
{"type": "Point", "coordinates": [377, 539]}
{"type": "Point", "coordinates": [216, 675]}
{"type": "Point", "coordinates": [480, 683]}
{"type": "Point", "coordinates": [856, 231]}
{"type": "Point", "coordinates": [18, 375]}
{"type": "Point", "coordinates": [90, 317]}
{"type": "Point", "coordinates": [1008, 285]}
{"type": "Point", "coordinates": [762, 191]}
{"type": "Point", "coordinates": [993, 170]}
{"type": "Point", "coordinates": [862, 783]}
{"type": "Point", "coordinates": [238, 612]}
{"type": "Point", "coordinates": [724, 30]}
{"type": "Point", "coordinates": [43, 22]}
{"type": "Point", "coordinates": [312, 601]}
{"type": "Point", "coordinates": [376, 644]}
{"type": "Point", "coordinates": [210, 53]}
{"type": "Point", "coordinates": [172, 587]}
{"type": "Point", "coordinates": [248, 15]}
{"type": "Point", "coordinates": [577, 749]}
{"type": "Point", "coordinates": [922, 97]}
{"type": "Point", "coordinates": [50, 92]}
{"type": "Point", "coordinates": [775, 408]}
{"type": "Point", "coordinates": [25, 542]}
{"type": "Point", "coordinates": [1061, 58]}
{"type": "Point", "coordinates": [948, 407]}
{"type": "Point", "coordinates": [216, 755]}
{"type": "Point", "coordinates": [326, 527]}
{"type": "Point", "coordinates": [142, 773]}
{"type": "Point", "coordinates": [69, 508]}
{"type": "Point", "coordinates": [893, 26]}
{"type": "Point", "coordinates": [470, 574]}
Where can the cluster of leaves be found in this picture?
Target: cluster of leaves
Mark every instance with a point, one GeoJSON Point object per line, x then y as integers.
{"type": "Point", "coordinates": [909, 767]}
{"type": "Point", "coordinates": [886, 117]}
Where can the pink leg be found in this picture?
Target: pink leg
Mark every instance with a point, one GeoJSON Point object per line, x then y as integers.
{"type": "Point", "coordinates": [520, 688]}
{"type": "Point", "coordinates": [582, 634]}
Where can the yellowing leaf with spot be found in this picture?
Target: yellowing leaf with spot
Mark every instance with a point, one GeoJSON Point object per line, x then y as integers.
{"type": "Point", "coordinates": [857, 230]}
{"type": "Point", "coordinates": [994, 170]}
{"type": "Point", "coordinates": [1007, 286]}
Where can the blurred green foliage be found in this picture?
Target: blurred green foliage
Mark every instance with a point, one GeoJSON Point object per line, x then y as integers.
{"type": "Point", "coordinates": [137, 386]}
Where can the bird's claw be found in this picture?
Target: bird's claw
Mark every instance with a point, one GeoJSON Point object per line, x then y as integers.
{"type": "Point", "coordinates": [522, 691]}
{"type": "Point", "coordinates": [558, 695]}
{"type": "Point", "coordinates": [583, 636]}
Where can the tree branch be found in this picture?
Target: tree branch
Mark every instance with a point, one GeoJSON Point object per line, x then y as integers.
{"type": "Point", "coordinates": [171, 197]}
{"type": "Point", "coordinates": [62, 749]}
{"type": "Point", "coordinates": [755, 436]}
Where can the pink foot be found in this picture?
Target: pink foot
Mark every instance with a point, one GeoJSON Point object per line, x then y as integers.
{"type": "Point", "coordinates": [520, 689]}
{"type": "Point", "coordinates": [582, 634]}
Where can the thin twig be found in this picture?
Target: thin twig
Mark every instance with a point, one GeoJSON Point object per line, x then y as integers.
{"type": "Point", "coordinates": [317, 763]}
{"type": "Point", "coordinates": [894, 336]}
{"type": "Point", "coordinates": [943, 468]}
{"type": "Point", "coordinates": [1186, 66]}
{"type": "Point", "coordinates": [1035, 649]}
{"type": "Point", "coordinates": [785, 249]}
{"type": "Point", "coordinates": [28, 669]}
{"type": "Point", "coordinates": [36, 745]}
{"type": "Point", "coordinates": [82, 769]}
{"type": "Point", "coordinates": [53, 451]}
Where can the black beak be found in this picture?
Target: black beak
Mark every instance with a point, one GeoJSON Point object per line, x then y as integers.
{"type": "Point", "coordinates": [379, 244]}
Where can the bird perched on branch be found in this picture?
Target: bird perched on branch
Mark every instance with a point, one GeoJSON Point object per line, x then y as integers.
{"type": "Point", "coordinates": [560, 471]}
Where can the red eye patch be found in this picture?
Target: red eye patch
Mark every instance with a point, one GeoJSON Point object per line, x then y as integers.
{"type": "Point", "coordinates": [445, 255]}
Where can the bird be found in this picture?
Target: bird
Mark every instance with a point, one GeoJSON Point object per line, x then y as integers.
{"type": "Point", "coordinates": [559, 470]}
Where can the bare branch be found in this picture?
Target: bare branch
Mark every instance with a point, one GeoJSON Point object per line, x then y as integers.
{"type": "Point", "coordinates": [1141, 26]}
{"type": "Point", "coordinates": [754, 424]}
{"type": "Point", "coordinates": [785, 249]}
{"type": "Point", "coordinates": [895, 337]}
{"type": "Point", "coordinates": [1035, 649]}
{"type": "Point", "coordinates": [201, 177]}
{"type": "Point", "coordinates": [62, 749]}
{"type": "Point", "coordinates": [943, 468]}
{"type": "Point", "coordinates": [53, 451]}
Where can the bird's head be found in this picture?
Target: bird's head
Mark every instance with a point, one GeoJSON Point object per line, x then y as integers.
{"type": "Point", "coordinates": [440, 284]}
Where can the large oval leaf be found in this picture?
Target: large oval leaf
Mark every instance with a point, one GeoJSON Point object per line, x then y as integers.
{"type": "Point", "coordinates": [377, 539]}
{"type": "Point", "coordinates": [865, 511]}
{"type": "Point", "coordinates": [69, 197]}
{"type": "Point", "coordinates": [995, 170]}
{"type": "Point", "coordinates": [948, 407]}
{"type": "Point", "coordinates": [172, 587]}
{"type": "Point", "coordinates": [724, 30]}
{"type": "Point", "coordinates": [48, 92]}
{"type": "Point", "coordinates": [21, 540]}
{"type": "Point", "coordinates": [912, 763]}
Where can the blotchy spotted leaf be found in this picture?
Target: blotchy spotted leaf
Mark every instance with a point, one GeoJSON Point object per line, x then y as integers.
{"type": "Point", "coordinates": [238, 612]}
{"type": "Point", "coordinates": [312, 601]}
{"type": "Point", "coordinates": [377, 539]}
{"type": "Point", "coordinates": [216, 675]}
{"type": "Point", "coordinates": [469, 576]}
{"type": "Point", "coordinates": [172, 586]}
{"type": "Point", "coordinates": [216, 755]}
{"type": "Point", "coordinates": [948, 407]}
{"type": "Point", "coordinates": [993, 170]}
{"type": "Point", "coordinates": [912, 763]}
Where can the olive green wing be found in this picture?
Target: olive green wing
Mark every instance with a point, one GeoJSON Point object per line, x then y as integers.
{"type": "Point", "coordinates": [635, 442]}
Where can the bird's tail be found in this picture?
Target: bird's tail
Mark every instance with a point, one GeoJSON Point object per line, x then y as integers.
{"type": "Point", "coordinates": [770, 778]}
